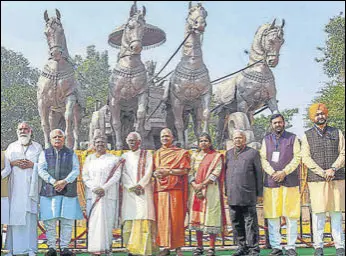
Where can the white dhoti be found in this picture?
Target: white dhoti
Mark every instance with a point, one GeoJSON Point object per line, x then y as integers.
{"type": "Point", "coordinates": [101, 222]}
{"type": "Point", "coordinates": [22, 239]}
{"type": "Point", "coordinates": [5, 211]}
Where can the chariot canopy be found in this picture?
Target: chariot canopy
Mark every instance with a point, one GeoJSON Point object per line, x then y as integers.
{"type": "Point", "coordinates": [153, 36]}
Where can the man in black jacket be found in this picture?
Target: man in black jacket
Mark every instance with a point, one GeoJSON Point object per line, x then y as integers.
{"type": "Point", "coordinates": [244, 188]}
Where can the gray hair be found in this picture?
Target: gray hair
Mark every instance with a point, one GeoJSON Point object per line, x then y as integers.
{"type": "Point", "coordinates": [240, 131]}
{"type": "Point", "coordinates": [57, 130]}
{"type": "Point", "coordinates": [136, 134]}
{"type": "Point", "coordinates": [99, 135]}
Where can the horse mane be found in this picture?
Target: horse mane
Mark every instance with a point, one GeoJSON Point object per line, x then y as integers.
{"type": "Point", "coordinates": [257, 50]}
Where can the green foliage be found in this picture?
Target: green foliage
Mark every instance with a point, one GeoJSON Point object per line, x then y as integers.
{"type": "Point", "coordinates": [333, 96]}
{"type": "Point", "coordinates": [333, 61]}
{"type": "Point", "coordinates": [93, 73]}
{"type": "Point", "coordinates": [262, 123]}
{"type": "Point", "coordinates": [334, 51]}
{"type": "Point", "coordinates": [18, 96]}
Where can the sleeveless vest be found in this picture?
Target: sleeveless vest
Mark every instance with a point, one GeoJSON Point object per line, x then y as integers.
{"type": "Point", "coordinates": [65, 156]}
{"type": "Point", "coordinates": [324, 150]}
{"type": "Point", "coordinates": [285, 147]}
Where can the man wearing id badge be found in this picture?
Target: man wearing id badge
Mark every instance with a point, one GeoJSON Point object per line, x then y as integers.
{"type": "Point", "coordinates": [280, 157]}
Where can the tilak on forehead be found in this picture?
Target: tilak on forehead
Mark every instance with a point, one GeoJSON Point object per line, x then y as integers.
{"type": "Point", "coordinates": [315, 107]}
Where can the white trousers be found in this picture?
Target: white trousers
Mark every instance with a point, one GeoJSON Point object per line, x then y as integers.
{"type": "Point", "coordinates": [22, 239]}
{"type": "Point", "coordinates": [275, 236]}
{"type": "Point", "coordinates": [66, 226]}
{"type": "Point", "coordinates": [318, 222]}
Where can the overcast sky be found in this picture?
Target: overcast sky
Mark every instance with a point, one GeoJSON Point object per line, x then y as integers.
{"type": "Point", "coordinates": [230, 30]}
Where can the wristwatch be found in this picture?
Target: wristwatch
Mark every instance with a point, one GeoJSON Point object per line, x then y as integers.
{"type": "Point", "coordinates": [334, 169]}
{"type": "Point", "coordinates": [170, 172]}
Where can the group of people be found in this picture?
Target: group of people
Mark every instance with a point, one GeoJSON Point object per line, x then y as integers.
{"type": "Point", "coordinates": [163, 190]}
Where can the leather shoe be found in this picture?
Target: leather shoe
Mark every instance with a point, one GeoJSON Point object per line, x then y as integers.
{"type": "Point", "coordinates": [51, 252]}
{"type": "Point", "coordinates": [276, 252]}
{"type": "Point", "coordinates": [291, 252]}
{"type": "Point", "coordinates": [241, 251]}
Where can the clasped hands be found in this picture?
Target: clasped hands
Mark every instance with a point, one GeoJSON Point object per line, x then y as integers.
{"type": "Point", "coordinates": [22, 163]}
{"type": "Point", "coordinates": [198, 190]}
{"type": "Point", "coordinates": [138, 190]}
{"type": "Point", "coordinates": [60, 185]}
{"type": "Point", "coordinates": [279, 176]}
{"type": "Point", "coordinates": [329, 175]}
{"type": "Point", "coordinates": [161, 173]}
{"type": "Point", "coordinates": [99, 191]}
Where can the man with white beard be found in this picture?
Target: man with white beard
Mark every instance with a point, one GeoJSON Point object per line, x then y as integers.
{"type": "Point", "coordinates": [23, 192]}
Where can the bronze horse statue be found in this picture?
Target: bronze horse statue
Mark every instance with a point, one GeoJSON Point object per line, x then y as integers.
{"type": "Point", "coordinates": [189, 86]}
{"type": "Point", "coordinates": [128, 86]}
{"type": "Point", "coordinates": [58, 95]}
{"type": "Point", "coordinates": [254, 87]}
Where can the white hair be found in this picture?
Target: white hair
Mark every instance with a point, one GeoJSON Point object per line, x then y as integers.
{"type": "Point", "coordinates": [135, 134]}
{"type": "Point", "coordinates": [57, 130]}
{"type": "Point", "coordinates": [242, 132]}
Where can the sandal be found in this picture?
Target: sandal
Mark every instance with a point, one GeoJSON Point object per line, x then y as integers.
{"type": "Point", "coordinates": [198, 251]}
{"type": "Point", "coordinates": [211, 252]}
{"type": "Point", "coordinates": [165, 252]}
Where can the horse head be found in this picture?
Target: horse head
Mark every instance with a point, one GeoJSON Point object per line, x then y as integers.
{"type": "Point", "coordinates": [134, 31]}
{"type": "Point", "coordinates": [267, 44]}
{"type": "Point", "coordinates": [196, 19]}
{"type": "Point", "coordinates": [55, 36]}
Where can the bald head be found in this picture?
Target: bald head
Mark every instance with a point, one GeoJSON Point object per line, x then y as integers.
{"type": "Point", "coordinates": [166, 137]}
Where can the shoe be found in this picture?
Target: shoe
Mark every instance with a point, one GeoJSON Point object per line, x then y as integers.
{"type": "Point", "coordinates": [276, 252]}
{"type": "Point", "coordinates": [241, 251]}
{"type": "Point", "coordinates": [165, 252]}
{"type": "Point", "coordinates": [318, 252]}
{"type": "Point", "coordinates": [291, 252]}
{"type": "Point", "coordinates": [211, 252]}
{"type": "Point", "coordinates": [66, 252]}
{"type": "Point", "coordinates": [340, 252]}
{"type": "Point", "coordinates": [198, 251]}
{"type": "Point", "coordinates": [51, 252]}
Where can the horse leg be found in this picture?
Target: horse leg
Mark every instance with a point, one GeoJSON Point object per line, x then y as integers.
{"type": "Point", "coordinates": [43, 111]}
{"type": "Point", "coordinates": [141, 113]}
{"type": "Point", "coordinates": [197, 121]}
{"type": "Point", "coordinates": [115, 111]}
{"type": "Point", "coordinates": [54, 120]}
{"type": "Point", "coordinates": [70, 103]}
{"type": "Point", "coordinates": [178, 109]}
{"type": "Point", "coordinates": [206, 111]}
{"type": "Point", "coordinates": [77, 121]}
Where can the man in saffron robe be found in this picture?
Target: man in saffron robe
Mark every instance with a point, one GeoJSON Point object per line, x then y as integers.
{"type": "Point", "coordinates": [171, 166]}
{"type": "Point", "coordinates": [323, 152]}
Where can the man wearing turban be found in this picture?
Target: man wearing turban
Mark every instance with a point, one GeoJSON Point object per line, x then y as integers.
{"type": "Point", "coordinates": [323, 152]}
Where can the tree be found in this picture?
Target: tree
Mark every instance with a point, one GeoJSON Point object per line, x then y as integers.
{"type": "Point", "coordinates": [18, 96]}
{"type": "Point", "coordinates": [333, 92]}
{"type": "Point", "coordinates": [93, 73]}
{"type": "Point", "coordinates": [262, 123]}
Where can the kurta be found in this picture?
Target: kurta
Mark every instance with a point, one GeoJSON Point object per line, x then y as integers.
{"type": "Point", "coordinates": [23, 199]}
{"type": "Point", "coordinates": [104, 215]}
{"type": "Point", "coordinates": [206, 214]}
{"type": "Point", "coordinates": [138, 212]}
{"type": "Point", "coordinates": [59, 206]}
{"type": "Point", "coordinates": [171, 196]}
{"type": "Point", "coordinates": [326, 196]}
{"type": "Point", "coordinates": [281, 199]}
{"type": "Point", "coordinates": [5, 171]}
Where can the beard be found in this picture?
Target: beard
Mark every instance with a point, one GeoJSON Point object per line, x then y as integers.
{"type": "Point", "coordinates": [24, 139]}
{"type": "Point", "coordinates": [321, 121]}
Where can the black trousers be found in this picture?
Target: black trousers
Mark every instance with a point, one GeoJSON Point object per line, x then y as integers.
{"type": "Point", "coordinates": [245, 226]}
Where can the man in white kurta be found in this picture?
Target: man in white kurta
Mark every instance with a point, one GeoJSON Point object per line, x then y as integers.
{"type": "Point", "coordinates": [23, 192]}
{"type": "Point", "coordinates": [138, 212]}
{"type": "Point", "coordinates": [101, 176]}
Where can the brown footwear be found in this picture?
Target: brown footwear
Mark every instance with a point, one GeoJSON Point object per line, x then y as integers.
{"type": "Point", "coordinates": [165, 252]}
